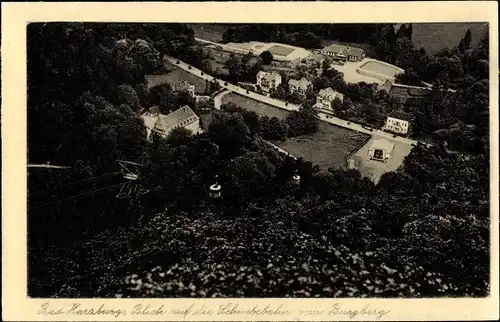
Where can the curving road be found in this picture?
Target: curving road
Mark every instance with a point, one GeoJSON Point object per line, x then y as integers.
{"type": "Point", "coordinates": [218, 99]}
{"type": "Point", "coordinates": [283, 105]}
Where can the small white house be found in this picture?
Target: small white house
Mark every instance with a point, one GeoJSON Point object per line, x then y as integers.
{"type": "Point", "coordinates": [299, 86]}
{"type": "Point", "coordinates": [267, 81]}
{"type": "Point", "coordinates": [381, 150]}
{"type": "Point", "coordinates": [185, 87]}
{"type": "Point", "coordinates": [325, 98]}
{"type": "Point", "coordinates": [395, 125]}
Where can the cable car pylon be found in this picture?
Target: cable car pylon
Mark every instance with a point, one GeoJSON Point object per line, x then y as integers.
{"type": "Point", "coordinates": [131, 173]}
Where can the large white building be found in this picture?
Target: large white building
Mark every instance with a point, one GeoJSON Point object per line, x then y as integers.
{"type": "Point", "coordinates": [395, 125]}
{"type": "Point", "coordinates": [164, 124]}
{"type": "Point", "coordinates": [342, 52]}
{"type": "Point", "coordinates": [281, 52]}
{"type": "Point", "coordinates": [325, 98]}
{"type": "Point", "coordinates": [267, 81]}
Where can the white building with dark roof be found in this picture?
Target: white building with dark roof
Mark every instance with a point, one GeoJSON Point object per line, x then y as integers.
{"type": "Point", "coordinates": [381, 150]}
{"type": "Point", "coordinates": [342, 52]}
{"type": "Point", "coordinates": [300, 86]}
{"type": "Point", "coordinates": [164, 124]}
{"type": "Point", "coordinates": [184, 87]}
{"type": "Point", "coordinates": [267, 81]}
{"type": "Point", "coordinates": [396, 125]}
{"type": "Point", "coordinates": [325, 98]}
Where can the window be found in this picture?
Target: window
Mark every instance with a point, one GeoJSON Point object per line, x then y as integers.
{"type": "Point", "coordinates": [378, 154]}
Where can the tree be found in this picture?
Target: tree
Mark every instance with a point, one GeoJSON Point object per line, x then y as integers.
{"type": "Point", "coordinates": [127, 95]}
{"type": "Point", "coordinates": [233, 66]}
{"type": "Point", "coordinates": [274, 129]}
{"type": "Point", "coordinates": [266, 57]}
{"type": "Point", "coordinates": [466, 41]}
{"type": "Point", "coordinates": [179, 136]}
{"type": "Point", "coordinates": [249, 174]}
{"type": "Point", "coordinates": [162, 96]}
{"type": "Point", "coordinates": [408, 77]}
{"type": "Point", "coordinates": [326, 64]}
{"type": "Point", "coordinates": [251, 119]}
{"type": "Point", "coordinates": [229, 131]}
{"type": "Point", "coordinates": [421, 231]}
{"type": "Point", "coordinates": [302, 122]}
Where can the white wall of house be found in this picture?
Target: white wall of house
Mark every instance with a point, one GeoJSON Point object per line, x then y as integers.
{"type": "Point", "coordinates": [194, 127]}
{"type": "Point", "coordinates": [326, 102]}
{"type": "Point", "coordinates": [265, 83]}
{"type": "Point", "coordinates": [323, 103]}
{"type": "Point", "coordinates": [385, 154]}
{"type": "Point", "coordinates": [396, 125]}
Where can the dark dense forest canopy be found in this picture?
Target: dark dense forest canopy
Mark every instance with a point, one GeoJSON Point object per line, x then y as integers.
{"type": "Point", "coordinates": [421, 231]}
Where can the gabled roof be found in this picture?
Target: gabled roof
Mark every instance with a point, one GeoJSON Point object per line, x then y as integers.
{"type": "Point", "coordinates": [329, 93]}
{"type": "Point", "coordinates": [183, 85]}
{"type": "Point", "coordinates": [154, 109]}
{"type": "Point", "coordinates": [354, 51]}
{"type": "Point", "coordinates": [344, 50]}
{"type": "Point", "coordinates": [301, 83]}
{"type": "Point", "coordinates": [268, 76]}
{"type": "Point", "coordinates": [382, 144]}
{"type": "Point", "coordinates": [336, 49]}
{"type": "Point", "coordinates": [399, 118]}
{"type": "Point", "coordinates": [176, 118]}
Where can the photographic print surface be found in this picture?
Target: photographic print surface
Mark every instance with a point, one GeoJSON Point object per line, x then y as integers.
{"type": "Point", "coordinates": [258, 160]}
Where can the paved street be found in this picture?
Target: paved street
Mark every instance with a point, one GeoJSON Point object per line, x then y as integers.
{"type": "Point", "coordinates": [218, 99]}
{"type": "Point", "coordinates": [369, 168]}
{"type": "Point", "coordinates": [290, 107]}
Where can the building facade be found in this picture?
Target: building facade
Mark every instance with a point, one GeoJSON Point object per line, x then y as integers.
{"type": "Point", "coordinates": [355, 54]}
{"type": "Point", "coordinates": [345, 53]}
{"type": "Point", "coordinates": [395, 125]}
{"type": "Point", "coordinates": [380, 150]}
{"type": "Point", "coordinates": [164, 124]}
{"type": "Point", "coordinates": [299, 86]}
{"type": "Point", "coordinates": [185, 87]}
{"type": "Point", "coordinates": [268, 81]}
{"type": "Point", "coordinates": [325, 98]}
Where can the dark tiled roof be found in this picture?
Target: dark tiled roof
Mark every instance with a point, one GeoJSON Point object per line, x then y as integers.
{"type": "Point", "coordinates": [180, 117]}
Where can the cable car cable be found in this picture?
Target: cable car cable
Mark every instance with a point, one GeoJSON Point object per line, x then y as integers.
{"type": "Point", "coordinates": [77, 196]}
{"type": "Point", "coordinates": [36, 193]}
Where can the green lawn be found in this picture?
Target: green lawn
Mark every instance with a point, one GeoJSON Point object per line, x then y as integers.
{"type": "Point", "coordinates": [436, 36]}
{"type": "Point", "coordinates": [261, 109]}
{"type": "Point", "coordinates": [177, 75]}
{"type": "Point", "coordinates": [327, 148]}
{"type": "Point", "coordinates": [211, 32]}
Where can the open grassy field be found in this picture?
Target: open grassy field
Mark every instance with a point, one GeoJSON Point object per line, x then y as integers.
{"type": "Point", "coordinates": [326, 148]}
{"type": "Point", "coordinates": [436, 36]}
{"type": "Point", "coordinates": [261, 109]}
{"type": "Point", "coordinates": [177, 75]}
{"type": "Point", "coordinates": [212, 32]}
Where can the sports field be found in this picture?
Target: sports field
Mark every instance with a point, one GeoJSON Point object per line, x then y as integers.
{"type": "Point", "coordinates": [381, 68]}
{"type": "Point", "coordinates": [281, 50]}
